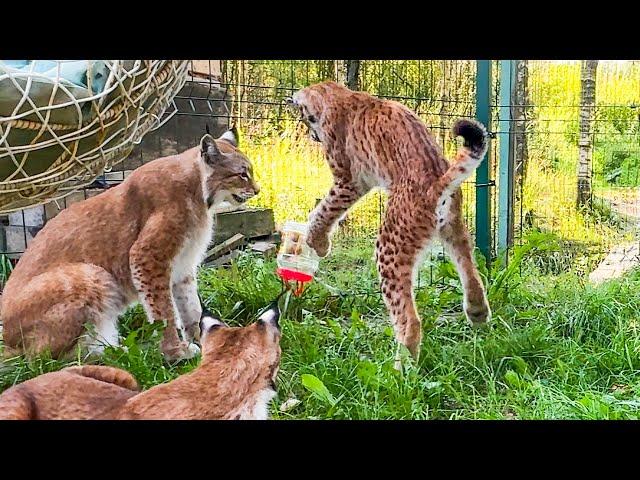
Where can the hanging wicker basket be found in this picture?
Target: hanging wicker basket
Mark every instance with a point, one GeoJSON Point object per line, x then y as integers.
{"type": "Point", "coordinates": [64, 123]}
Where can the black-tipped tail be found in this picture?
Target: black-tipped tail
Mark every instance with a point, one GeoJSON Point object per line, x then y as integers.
{"type": "Point", "coordinates": [474, 134]}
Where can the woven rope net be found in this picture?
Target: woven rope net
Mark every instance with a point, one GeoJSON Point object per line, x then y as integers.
{"type": "Point", "coordinates": [64, 123]}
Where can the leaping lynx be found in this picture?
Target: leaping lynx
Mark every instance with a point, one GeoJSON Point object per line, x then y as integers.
{"type": "Point", "coordinates": [141, 240]}
{"type": "Point", "coordinates": [371, 142]}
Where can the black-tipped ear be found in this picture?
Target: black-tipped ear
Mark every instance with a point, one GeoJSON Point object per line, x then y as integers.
{"type": "Point", "coordinates": [271, 315]}
{"type": "Point", "coordinates": [231, 136]}
{"type": "Point", "coordinates": [210, 322]}
{"type": "Point", "coordinates": [205, 311]}
{"type": "Point", "coordinates": [209, 150]}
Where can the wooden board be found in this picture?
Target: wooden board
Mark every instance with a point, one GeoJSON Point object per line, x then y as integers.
{"type": "Point", "coordinates": [266, 249]}
{"type": "Point", "coordinates": [252, 223]}
{"type": "Point", "coordinates": [220, 249]}
{"type": "Point", "coordinates": [206, 68]}
{"type": "Point", "coordinates": [222, 261]}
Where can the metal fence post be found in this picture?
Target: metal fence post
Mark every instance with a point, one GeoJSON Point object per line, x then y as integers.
{"type": "Point", "coordinates": [483, 192]}
{"type": "Point", "coordinates": [506, 160]}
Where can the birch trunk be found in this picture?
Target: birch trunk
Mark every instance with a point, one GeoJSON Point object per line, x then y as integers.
{"type": "Point", "coordinates": [587, 114]}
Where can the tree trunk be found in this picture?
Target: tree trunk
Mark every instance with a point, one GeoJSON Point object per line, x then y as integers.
{"type": "Point", "coordinates": [353, 74]}
{"type": "Point", "coordinates": [521, 111]}
{"type": "Point", "coordinates": [444, 107]}
{"type": "Point", "coordinates": [587, 113]}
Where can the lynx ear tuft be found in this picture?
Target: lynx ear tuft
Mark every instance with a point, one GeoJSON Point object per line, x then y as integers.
{"type": "Point", "coordinates": [271, 315]}
{"type": "Point", "coordinates": [231, 136]}
{"type": "Point", "coordinates": [208, 322]}
{"type": "Point", "coordinates": [209, 150]}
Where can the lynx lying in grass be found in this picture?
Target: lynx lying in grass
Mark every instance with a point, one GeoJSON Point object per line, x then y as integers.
{"type": "Point", "coordinates": [235, 380]}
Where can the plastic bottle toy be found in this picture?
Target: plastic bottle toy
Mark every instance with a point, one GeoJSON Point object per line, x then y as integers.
{"type": "Point", "coordinates": [297, 262]}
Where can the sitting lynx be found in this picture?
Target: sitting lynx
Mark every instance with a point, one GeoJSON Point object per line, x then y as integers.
{"type": "Point", "coordinates": [141, 240]}
{"type": "Point", "coordinates": [234, 381]}
{"type": "Point", "coordinates": [370, 142]}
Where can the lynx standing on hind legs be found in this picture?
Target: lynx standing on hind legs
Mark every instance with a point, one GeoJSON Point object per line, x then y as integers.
{"type": "Point", "coordinates": [370, 142]}
{"type": "Point", "coordinates": [141, 240]}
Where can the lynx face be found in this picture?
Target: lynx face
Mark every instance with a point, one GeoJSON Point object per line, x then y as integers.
{"type": "Point", "coordinates": [313, 108]}
{"type": "Point", "coordinates": [228, 172]}
{"type": "Point", "coordinates": [258, 343]}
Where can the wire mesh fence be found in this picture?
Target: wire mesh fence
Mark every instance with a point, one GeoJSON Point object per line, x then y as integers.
{"type": "Point", "coordinates": [292, 168]}
{"type": "Point", "coordinates": [544, 121]}
{"type": "Point", "coordinates": [546, 128]}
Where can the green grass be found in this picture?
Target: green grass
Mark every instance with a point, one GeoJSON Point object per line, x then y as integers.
{"type": "Point", "coordinates": [557, 348]}
{"type": "Point", "coordinates": [5, 270]}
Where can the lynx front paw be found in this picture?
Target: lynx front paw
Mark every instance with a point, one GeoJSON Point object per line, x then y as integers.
{"type": "Point", "coordinates": [183, 351]}
{"type": "Point", "coordinates": [320, 243]}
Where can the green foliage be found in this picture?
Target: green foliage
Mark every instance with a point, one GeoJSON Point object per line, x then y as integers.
{"type": "Point", "coordinates": [555, 349]}
{"type": "Point", "coordinates": [17, 369]}
{"type": "Point", "coordinates": [6, 267]}
{"type": "Point", "coordinates": [294, 175]}
{"type": "Point", "coordinates": [623, 169]}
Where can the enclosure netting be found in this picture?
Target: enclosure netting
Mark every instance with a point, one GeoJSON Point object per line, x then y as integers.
{"type": "Point", "coordinates": [543, 118]}
{"type": "Point", "coordinates": [291, 167]}
{"type": "Point", "coordinates": [64, 123]}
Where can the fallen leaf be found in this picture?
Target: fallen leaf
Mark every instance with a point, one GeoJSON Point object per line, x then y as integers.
{"type": "Point", "coordinates": [289, 404]}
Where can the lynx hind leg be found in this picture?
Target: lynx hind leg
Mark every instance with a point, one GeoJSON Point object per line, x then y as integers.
{"type": "Point", "coordinates": [103, 332]}
{"type": "Point", "coordinates": [403, 237]}
{"type": "Point", "coordinates": [457, 242]}
{"type": "Point", "coordinates": [53, 309]}
{"type": "Point", "coordinates": [17, 405]}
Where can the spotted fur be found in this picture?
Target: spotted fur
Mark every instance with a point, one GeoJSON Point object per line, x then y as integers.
{"type": "Point", "coordinates": [234, 380]}
{"type": "Point", "coordinates": [139, 241]}
{"type": "Point", "coordinates": [371, 142]}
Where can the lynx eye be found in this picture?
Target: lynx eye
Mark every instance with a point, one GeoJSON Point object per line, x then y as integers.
{"type": "Point", "coordinates": [244, 175]}
{"type": "Point", "coordinates": [312, 119]}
